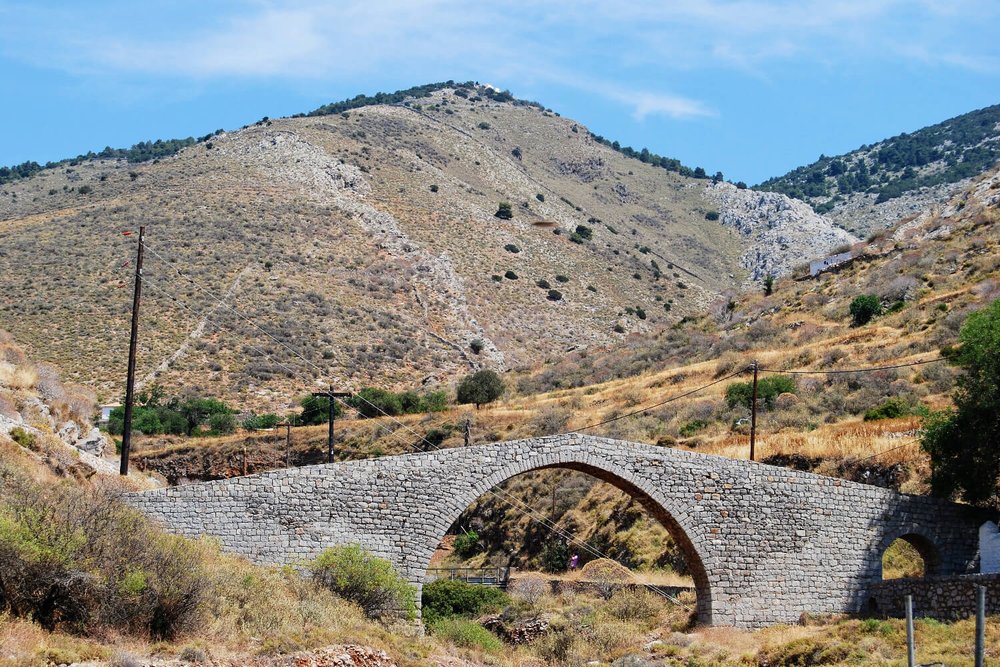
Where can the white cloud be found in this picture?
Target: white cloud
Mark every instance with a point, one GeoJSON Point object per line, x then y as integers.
{"type": "Point", "coordinates": [644, 40]}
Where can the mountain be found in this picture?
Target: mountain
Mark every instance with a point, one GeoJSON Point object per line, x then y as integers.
{"type": "Point", "coordinates": [369, 243]}
{"type": "Point", "coordinates": [876, 185]}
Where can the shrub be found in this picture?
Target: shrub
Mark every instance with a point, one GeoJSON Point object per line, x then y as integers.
{"type": "Point", "coordinates": [370, 582]}
{"type": "Point", "coordinates": [434, 188]}
{"type": "Point", "coordinates": [373, 402]}
{"type": "Point", "coordinates": [555, 556]}
{"type": "Point", "coordinates": [504, 211]}
{"type": "Point", "coordinates": [481, 387]}
{"type": "Point", "coordinates": [465, 633]}
{"type": "Point", "coordinates": [483, 125]}
{"type": "Point", "coordinates": [864, 308]}
{"type": "Point", "coordinates": [435, 401]}
{"type": "Point", "coordinates": [692, 427]}
{"type": "Point", "coordinates": [510, 275]}
{"type": "Point", "coordinates": [890, 409]}
{"type": "Point", "coordinates": [712, 215]}
{"type": "Point", "coordinates": [79, 560]}
{"type": "Point", "coordinates": [467, 544]}
{"type": "Point", "coordinates": [540, 197]}
{"type": "Point", "coordinates": [450, 597]}
{"type": "Point", "coordinates": [261, 422]}
{"type": "Point", "coordinates": [554, 295]}
{"type": "Point", "coordinates": [543, 283]}
{"type": "Point", "coordinates": [477, 345]}
{"type": "Point", "coordinates": [510, 247]}
{"type": "Point", "coordinates": [23, 438]}
{"type": "Point", "coordinates": [634, 604]}
{"type": "Point", "coordinates": [768, 389]}
{"type": "Point", "coordinates": [222, 424]}
{"type": "Point", "coordinates": [316, 410]}
{"type": "Point", "coordinates": [562, 279]}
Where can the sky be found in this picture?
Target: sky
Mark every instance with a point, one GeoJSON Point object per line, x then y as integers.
{"type": "Point", "coordinates": [752, 88]}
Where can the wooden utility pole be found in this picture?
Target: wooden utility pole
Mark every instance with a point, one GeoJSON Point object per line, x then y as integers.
{"type": "Point", "coordinates": [333, 396]}
{"type": "Point", "coordinates": [753, 413]}
{"type": "Point", "coordinates": [133, 340]}
{"type": "Point", "coordinates": [288, 444]}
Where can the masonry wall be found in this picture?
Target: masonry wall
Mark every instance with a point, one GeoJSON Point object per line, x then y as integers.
{"type": "Point", "coordinates": [765, 544]}
{"type": "Point", "coordinates": [944, 598]}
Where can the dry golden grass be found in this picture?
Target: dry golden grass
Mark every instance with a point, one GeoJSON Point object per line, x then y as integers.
{"type": "Point", "coordinates": [20, 376]}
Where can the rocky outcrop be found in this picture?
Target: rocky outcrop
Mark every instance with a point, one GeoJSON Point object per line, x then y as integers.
{"type": "Point", "coordinates": [780, 232]}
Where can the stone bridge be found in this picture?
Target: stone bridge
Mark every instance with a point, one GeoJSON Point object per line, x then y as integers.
{"type": "Point", "coordinates": [764, 543]}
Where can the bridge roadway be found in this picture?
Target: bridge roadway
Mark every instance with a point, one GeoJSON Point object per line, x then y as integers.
{"type": "Point", "coordinates": [764, 544]}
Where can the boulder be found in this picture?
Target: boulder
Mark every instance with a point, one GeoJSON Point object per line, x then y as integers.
{"type": "Point", "coordinates": [93, 443]}
{"type": "Point", "coordinates": [69, 433]}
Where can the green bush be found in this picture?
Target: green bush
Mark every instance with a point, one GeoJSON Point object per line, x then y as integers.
{"type": "Point", "coordinates": [257, 422]}
{"type": "Point", "coordinates": [316, 410]}
{"type": "Point", "coordinates": [554, 295]}
{"type": "Point", "coordinates": [510, 247]}
{"type": "Point", "coordinates": [448, 597]}
{"type": "Point", "coordinates": [768, 389]}
{"type": "Point", "coordinates": [373, 402]}
{"type": "Point", "coordinates": [23, 438]}
{"type": "Point", "coordinates": [712, 215]}
{"type": "Point", "coordinates": [79, 560]}
{"type": "Point", "coordinates": [467, 544]}
{"type": "Point", "coordinates": [555, 556]}
{"type": "Point", "coordinates": [692, 427]}
{"type": "Point", "coordinates": [510, 275]}
{"type": "Point", "coordinates": [504, 211]}
{"type": "Point", "coordinates": [540, 197]}
{"type": "Point", "coordinates": [483, 125]}
{"type": "Point", "coordinates": [222, 424]}
{"type": "Point", "coordinates": [890, 409]}
{"type": "Point", "coordinates": [864, 308]}
{"type": "Point", "coordinates": [435, 401]}
{"type": "Point", "coordinates": [370, 582]}
{"type": "Point", "coordinates": [465, 633]}
{"type": "Point", "coordinates": [543, 283]}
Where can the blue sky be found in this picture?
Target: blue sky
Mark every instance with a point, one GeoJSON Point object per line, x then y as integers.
{"type": "Point", "coordinates": [749, 87]}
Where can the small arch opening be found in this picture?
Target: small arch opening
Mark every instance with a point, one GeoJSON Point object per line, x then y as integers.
{"type": "Point", "coordinates": [909, 556]}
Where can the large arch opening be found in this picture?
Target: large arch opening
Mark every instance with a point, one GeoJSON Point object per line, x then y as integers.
{"type": "Point", "coordinates": [520, 519]}
{"type": "Point", "coordinates": [909, 556]}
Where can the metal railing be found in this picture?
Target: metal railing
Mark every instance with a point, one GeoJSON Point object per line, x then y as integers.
{"type": "Point", "coordinates": [481, 576]}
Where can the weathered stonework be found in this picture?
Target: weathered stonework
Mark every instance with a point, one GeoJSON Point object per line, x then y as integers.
{"type": "Point", "coordinates": [764, 544]}
{"type": "Point", "coordinates": [944, 598]}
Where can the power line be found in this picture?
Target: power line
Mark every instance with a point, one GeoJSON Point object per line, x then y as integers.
{"type": "Point", "coordinates": [656, 405]}
{"type": "Point", "coordinates": [499, 495]}
{"type": "Point", "coordinates": [853, 370]}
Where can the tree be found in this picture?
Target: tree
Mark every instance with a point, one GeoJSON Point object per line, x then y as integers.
{"type": "Point", "coordinates": [864, 308]}
{"type": "Point", "coordinates": [374, 402]}
{"type": "Point", "coordinates": [316, 410]}
{"type": "Point", "coordinates": [768, 285]}
{"type": "Point", "coordinates": [504, 211]}
{"type": "Point", "coordinates": [965, 460]}
{"type": "Point", "coordinates": [480, 387]}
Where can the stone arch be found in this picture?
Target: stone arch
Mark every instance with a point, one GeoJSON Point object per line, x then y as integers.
{"type": "Point", "coordinates": [920, 540]}
{"type": "Point", "coordinates": [639, 489]}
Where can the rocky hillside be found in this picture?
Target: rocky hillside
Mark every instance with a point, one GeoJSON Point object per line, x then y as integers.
{"type": "Point", "coordinates": [876, 185]}
{"type": "Point", "coordinates": [371, 245]}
